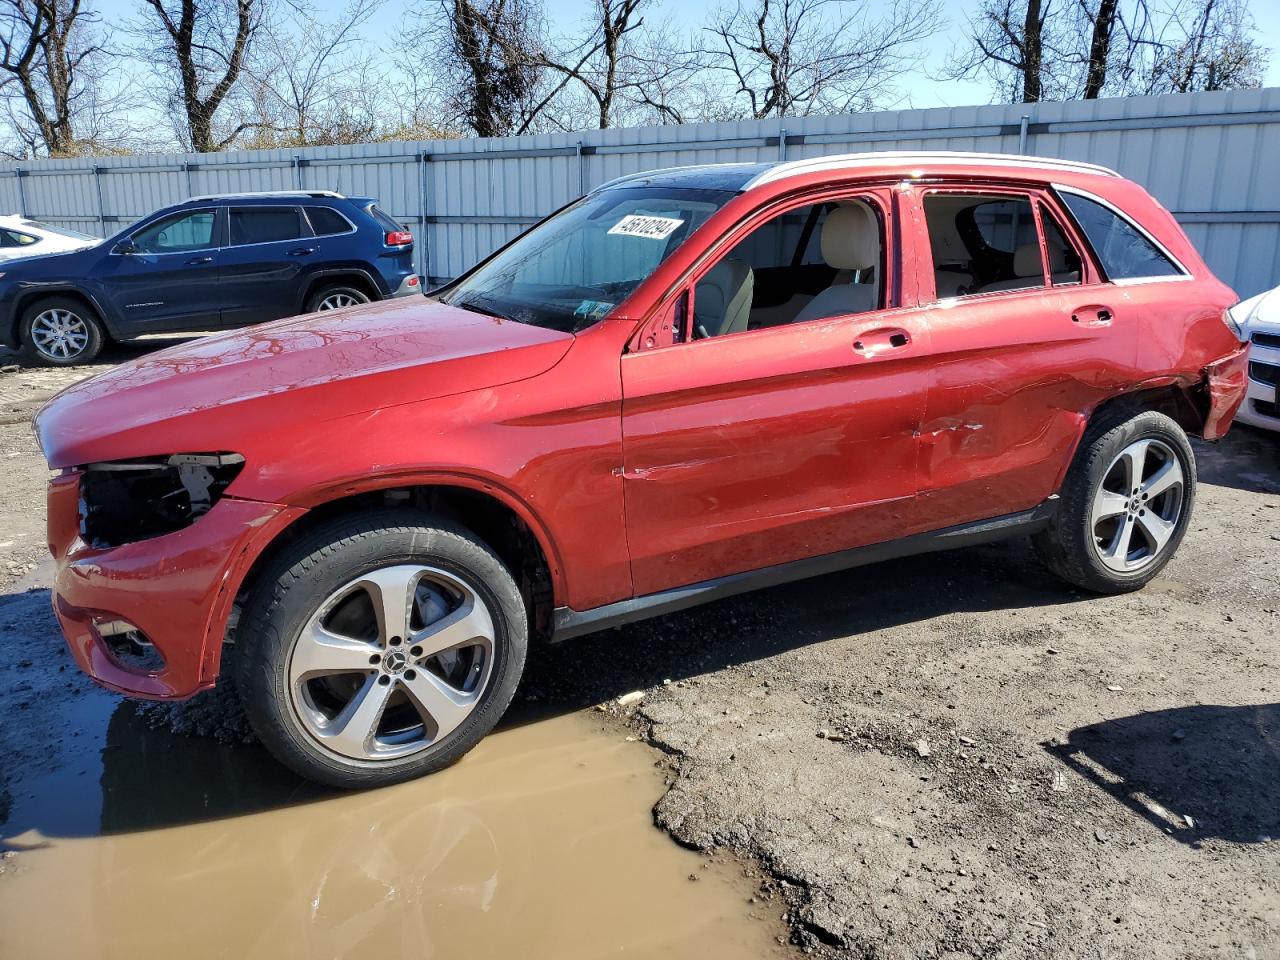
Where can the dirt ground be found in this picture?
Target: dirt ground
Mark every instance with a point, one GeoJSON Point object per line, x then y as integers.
{"type": "Point", "coordinates": [946, 756]}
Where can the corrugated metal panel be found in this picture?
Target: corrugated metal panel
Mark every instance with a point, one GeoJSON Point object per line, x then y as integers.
{"type": "Point", "coordinates": [1209, 157]}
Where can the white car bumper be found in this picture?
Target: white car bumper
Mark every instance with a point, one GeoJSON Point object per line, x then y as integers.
{"type": "Point", "coordinates": [1260, 407]}
{"type": "Point", "coordinates": [1257, 320]}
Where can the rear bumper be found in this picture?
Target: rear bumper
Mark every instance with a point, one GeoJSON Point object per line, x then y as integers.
{"type": "Point", "coordinates": [408, 287]}
{"type": "Point", "coordinates": [1226, 382]}
{"type": "Point", "coordinates": [176, 589]}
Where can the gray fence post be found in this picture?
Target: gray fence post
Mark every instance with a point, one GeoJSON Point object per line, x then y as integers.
{"type": "Point", "coordinates": [22, 194]}
{"type": "Point", "coordinates": [424, 250]}
{"type": "Point", "coordinates": [1022, 133]}
{"type": "Point", "coordinates": [102, 210]}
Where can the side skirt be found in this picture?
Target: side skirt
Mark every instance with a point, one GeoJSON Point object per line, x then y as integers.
{"type": "Point", "coordinates": [573, 623]}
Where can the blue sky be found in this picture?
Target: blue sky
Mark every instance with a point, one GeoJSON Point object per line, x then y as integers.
{"type": "Point", "coordinates": [920, 90]}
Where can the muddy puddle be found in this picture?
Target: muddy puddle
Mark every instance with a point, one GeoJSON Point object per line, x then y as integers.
{"type": "Point", "coordinates": [134, 843]}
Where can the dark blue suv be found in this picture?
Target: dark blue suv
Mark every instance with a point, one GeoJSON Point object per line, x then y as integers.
{"type": "Point", "coordinates": [207, 263]}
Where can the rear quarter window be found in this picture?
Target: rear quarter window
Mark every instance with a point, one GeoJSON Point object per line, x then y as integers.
{"type": "Point", "coordinates": [1123, 251]}
{"type": "Point", "coordinates": [383, 220]}
{"type": "Point", "coordinates": [326, 221]}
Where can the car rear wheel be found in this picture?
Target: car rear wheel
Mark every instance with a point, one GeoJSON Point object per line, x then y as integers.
{"type": "Point", "coordinates": [335, 296]}
{"type": "Point", "coordinates": [1125, 505]}
{"type": "Point", "coordinates": [60, 332]}
{"type": "Point", "coordinates": [379, 648]}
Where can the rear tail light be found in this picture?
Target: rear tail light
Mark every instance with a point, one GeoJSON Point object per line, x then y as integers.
{"type": "Point", "coordinates": [399, 238]}
{"type": "Point", "coordinates": [413, 281]}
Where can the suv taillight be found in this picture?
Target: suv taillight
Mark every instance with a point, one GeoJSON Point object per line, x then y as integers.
{"type": "Point", "coordinates": [399, 238]}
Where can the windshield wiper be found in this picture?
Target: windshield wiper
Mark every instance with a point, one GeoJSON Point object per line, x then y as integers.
{"type": "Point", "coordinates": [475, 307]}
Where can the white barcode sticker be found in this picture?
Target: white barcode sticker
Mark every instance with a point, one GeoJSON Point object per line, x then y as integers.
{"type": "Point", "coordinates": [639, 225]}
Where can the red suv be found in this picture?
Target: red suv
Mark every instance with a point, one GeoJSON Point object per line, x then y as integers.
{"type": "Point", "coordinates": [688, 384]}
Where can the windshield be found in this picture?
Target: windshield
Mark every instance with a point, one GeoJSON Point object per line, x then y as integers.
{"type": "Point", "coordinates": [569, 271]}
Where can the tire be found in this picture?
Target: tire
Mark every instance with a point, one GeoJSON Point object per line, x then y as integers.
{"type": "Point", "coordinates": [330, 579]}
{"type": "Point", "coordinates": [336, 295]}
{"type": "Point", "coordinates": [60, 332]}
{"type": "Point", "coordinates": [1086, 543]}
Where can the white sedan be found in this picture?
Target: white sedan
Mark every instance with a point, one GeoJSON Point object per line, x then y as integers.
{"type": "Point", "coordinates": [20, 237]}
{"type": "Point", "coordinates": [1257, 320]}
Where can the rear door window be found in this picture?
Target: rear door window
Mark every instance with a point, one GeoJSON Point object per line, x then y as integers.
{"type": "Point", "coordinates": [982, 243]}
{"type": "Point", "coordinates": [1123, 251]}
{"type": "Point", "coordinates": [1064, 262]}
{"type": "Point", "coordinates": [265, 224]}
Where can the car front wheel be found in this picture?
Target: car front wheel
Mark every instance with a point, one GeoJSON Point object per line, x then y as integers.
{"type": "Point", "coordinates": [60, 332]}
{"type": "Point", "coordinates": [379, 648]}
{"type": "Point", "coordinates": [1125, 504]}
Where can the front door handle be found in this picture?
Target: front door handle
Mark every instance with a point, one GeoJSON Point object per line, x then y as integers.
{"type": "Point", "coordinates": [301, 251]}
{"type": "Point", "coordinates": [1092, 316]}
{"type": "Point", "coordinates": [871, 343]}
{"type": "Point", "coordinates": [195, 261]}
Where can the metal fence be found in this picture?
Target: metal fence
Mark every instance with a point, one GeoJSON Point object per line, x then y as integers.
{"type": "Point", "coordinates": [1211, 158]}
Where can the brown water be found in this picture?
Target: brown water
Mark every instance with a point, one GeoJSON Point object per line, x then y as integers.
{"type": "Point", "coordinates": [538, 844]}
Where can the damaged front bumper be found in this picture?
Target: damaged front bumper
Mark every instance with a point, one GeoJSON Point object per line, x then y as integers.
{"type": "Point", "coordinates": [172, 593]}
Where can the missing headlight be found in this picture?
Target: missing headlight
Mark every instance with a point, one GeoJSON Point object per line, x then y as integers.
{"type": "Point", "coordinates": [122, 501]}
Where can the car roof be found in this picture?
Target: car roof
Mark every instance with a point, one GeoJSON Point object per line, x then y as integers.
{"type": "Point", "coordinates": [741, 177]}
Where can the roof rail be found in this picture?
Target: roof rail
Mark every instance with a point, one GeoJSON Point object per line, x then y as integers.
{"type": "Point", "coordinates": [236, 195]}
{"type": "Point", "coordinates": [848, 161]}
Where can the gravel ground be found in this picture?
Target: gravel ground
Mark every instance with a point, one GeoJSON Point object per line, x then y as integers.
{"type": "Point", "coordinates": [945, 756]}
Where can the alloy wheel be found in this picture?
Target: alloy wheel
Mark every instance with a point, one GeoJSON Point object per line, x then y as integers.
{"type": "Point", "coordinates": [59, 334]}
{"type": "Point", "coordinates": [1138, 505]}
{"type": "Point", "coordinates": [336, 301]}
{"type": "Point", "coordinates": [392, 662]}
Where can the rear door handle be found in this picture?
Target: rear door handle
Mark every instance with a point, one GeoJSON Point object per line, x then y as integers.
{"type": "Point", "coordinates": [1093, 316]}
{"type": "Point", "coordinates": [872, 343]}
{"type": "Point", "coordinates": [301, 251]}
{"type": "Point", "coordinates": [195, 261]}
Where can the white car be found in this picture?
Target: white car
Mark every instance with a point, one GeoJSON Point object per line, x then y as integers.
{"type": "Point", "coordinates": [1257, 320]}
{"type": "Point", "coordinates": [20, 237]}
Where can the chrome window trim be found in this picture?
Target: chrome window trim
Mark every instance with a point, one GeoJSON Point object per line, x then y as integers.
{"type": "Point", "coordinates": [1183, 272]}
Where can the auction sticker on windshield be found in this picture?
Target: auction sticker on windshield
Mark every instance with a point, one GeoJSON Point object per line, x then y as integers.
{"type": "Point", "coordinates": [639, 225]}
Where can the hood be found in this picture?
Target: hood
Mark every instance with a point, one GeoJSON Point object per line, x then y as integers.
{"type": "Point", "coordinates": [53, 260]}
{"type": "Point", "coordinates": [214, 394]}
{"type": "Point", "coordinates": [1260, 314]}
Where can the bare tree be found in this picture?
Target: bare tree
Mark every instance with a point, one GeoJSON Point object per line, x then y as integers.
{"type": "Point", "coordinates": [789, 57]}
{"type": "Point", "coordinates": [202, 45]}
{"type": "Point", "coordinates": [44, 47]}
{"type": "Point", "coordinates": [309, 77]}
{"type": "Point", "coordinates": [1022, 47]}
{"type": "Point", "coordinates": [1043, 49]}
{"type": "Point", "coordinates": [623, 68]}
{"type": "Point", "coordinates": [1204, 45]}
{"type": "Point", "coordinates": [486, 54]}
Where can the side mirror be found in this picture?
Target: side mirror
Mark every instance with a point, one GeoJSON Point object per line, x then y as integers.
{"type": "Point", "coordinates": [126, 248]}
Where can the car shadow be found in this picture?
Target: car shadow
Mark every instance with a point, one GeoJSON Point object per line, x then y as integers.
{"type": "Point", "coordinates": [113, 353]}
{"type": "Point", "coordinates": [152, 777]}
{"type": "Point", "coordinates": [1245, 459]}
{"type": "Point", "coordinates": [1197, 772]}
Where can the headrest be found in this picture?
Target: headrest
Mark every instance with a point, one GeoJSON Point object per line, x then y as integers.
{"type": "Point", "coordinates": [851, 237]}
{"type": "Point", "coordinates": [1026, 261]}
